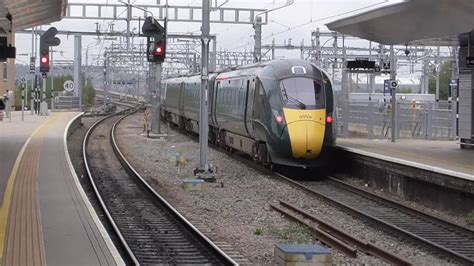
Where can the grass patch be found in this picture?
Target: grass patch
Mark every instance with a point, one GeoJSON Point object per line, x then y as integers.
{"type": "Point", "coordinates": [470, 218]}
{"type": "Point", "coordinates": [258, 231]}
{"type": "Point", "coordinates": [293, 234]}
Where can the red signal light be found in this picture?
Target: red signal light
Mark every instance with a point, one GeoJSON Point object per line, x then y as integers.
{"type": "Point", "coordinates": [159, 49]}
{"type": "Point", "coordinates": [329, 119]}
{"type": "Point", "coordinates": [44, 62]}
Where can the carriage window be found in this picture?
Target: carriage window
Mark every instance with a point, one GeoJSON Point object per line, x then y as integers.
{"type": "Point", "coordinates": [302, 93]}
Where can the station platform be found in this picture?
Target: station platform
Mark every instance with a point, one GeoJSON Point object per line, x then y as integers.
{"type": "Point", "coordinates": [443, 157]}
{"type": "Point", "coordinates": [45, 216]}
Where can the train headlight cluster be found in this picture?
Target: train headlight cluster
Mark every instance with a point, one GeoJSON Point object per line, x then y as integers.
{"type": "Point", "coordinates": [280, 119]}
{"type": "Point", "coordinates": [329, 119]}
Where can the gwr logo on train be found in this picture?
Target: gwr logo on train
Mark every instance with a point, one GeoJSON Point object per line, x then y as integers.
{"type": "Point", "coordinates": [306, 116]}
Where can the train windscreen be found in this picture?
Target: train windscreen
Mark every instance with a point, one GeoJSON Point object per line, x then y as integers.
{"type": "Point", "coordinates": [303, 93]}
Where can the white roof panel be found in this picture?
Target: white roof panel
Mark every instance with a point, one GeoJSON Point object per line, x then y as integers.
{"type": "Point", "coordinates": [411, 20]}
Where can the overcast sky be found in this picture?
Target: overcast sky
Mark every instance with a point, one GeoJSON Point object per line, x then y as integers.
{"type": "Point", "coordinates": [295, 22]}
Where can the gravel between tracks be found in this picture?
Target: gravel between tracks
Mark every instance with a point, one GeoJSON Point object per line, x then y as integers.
{"type": "Point", "coordinates": [236, 209]}
{"type": "Point", "coordinates": [74, 143]}
{"type": "Point", "coordinates": [456, 218]}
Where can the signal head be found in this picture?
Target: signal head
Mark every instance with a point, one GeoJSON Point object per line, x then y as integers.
{"type": "Point", "coordinates": [159, 49]}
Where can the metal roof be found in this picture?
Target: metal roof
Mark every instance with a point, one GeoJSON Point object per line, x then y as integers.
{"type": "Point", "coordinates": [29, 13]}
{"type": "Point", "coordinates": [438, 22]}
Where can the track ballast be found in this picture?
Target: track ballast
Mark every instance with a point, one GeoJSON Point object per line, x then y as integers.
{"type": "Point", "coordinates": [150, 229]}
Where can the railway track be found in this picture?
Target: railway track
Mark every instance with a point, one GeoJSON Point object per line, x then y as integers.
{"type": "Point", "coordinates": [336, 237]}
{"type": "Point", "coordinates": [150, 230]}
{"type": "Point", "coordinates": [439, 235]}
{"type": "Point", "coordinates": [451, 240]}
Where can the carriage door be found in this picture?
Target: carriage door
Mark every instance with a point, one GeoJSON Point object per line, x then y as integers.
{"type": "Point", "coordinates": [182, 91]}
{"type": "Point", "coordinates": [249, 105]}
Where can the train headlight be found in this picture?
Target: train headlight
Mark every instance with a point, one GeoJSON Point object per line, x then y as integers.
{"type": "Point", "coordinates": [278, 118]}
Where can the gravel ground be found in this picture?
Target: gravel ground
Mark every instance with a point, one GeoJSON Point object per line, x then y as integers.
{"type": "Point", "coordinates": [451, 217]}
{"type": "Point", "coordinates": [236, 209]}
{"type": "Point", "coordinates": [74, 144]}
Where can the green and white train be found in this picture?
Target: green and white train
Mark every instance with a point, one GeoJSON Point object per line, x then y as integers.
{"type": "Point", "coordinates": [278, 112]}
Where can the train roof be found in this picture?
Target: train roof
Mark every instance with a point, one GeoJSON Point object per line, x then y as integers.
{"type": "Point", "coordinates": [281, 69]}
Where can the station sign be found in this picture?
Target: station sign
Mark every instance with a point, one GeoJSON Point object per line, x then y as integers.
{"type": "Point", "coordinates": [386, 87]}
{"type": "Point", "coordinates": [361, 63]}
{"type": "Point", "coordinates": [470, 61]}
{"type": "Point", "coordinates": [453, 83]}
{"type": "Point", "coordinates": [393, 84]}
{"type": "Point", "coordinates": [32, 64]}
{"type": "Point", "coordinates": [68, 85]}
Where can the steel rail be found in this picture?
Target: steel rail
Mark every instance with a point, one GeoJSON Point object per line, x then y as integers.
{"type": "Point", "coordinates": [162, 200]}
{"type": "Point", "coordinates": [222, 256]}
{"type": "Point", "coordinates": [322, 235]}
{"type": "Point", "coordinates": [359, 244]}
{"type": "Point", "coordinates": [401, 206]}
{"type": "Point", "coordinates": [110, 219]}
{"type": "Point", "coordinates": [384, 224]}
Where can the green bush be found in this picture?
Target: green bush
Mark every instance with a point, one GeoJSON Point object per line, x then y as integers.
{"type": "Point", "coordinates": [470, 218]}
{"type": "Point", "coordinates": [403, 90]}
{"type": "Point", "coordinates": [88, 95]}
{"type": "Point", "coordinates": [58, 84]}
{"type": "Point", "coordinates": [444, 79]}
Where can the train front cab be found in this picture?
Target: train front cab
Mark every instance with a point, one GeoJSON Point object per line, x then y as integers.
{"type": "Point", "coordinates": [303, 119]}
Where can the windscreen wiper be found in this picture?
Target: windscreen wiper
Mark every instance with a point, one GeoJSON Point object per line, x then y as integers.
{"type": "Point", "coordinates": [298, 102]}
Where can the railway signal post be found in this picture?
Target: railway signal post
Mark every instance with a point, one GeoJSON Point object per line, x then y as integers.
{"type": "Point", "coordinates": [393, 76]}
{"type": "Point", "coordinates": [47, 40]}
{"type": "Point", "coordinates": [203, 171]}
{"type": "Point", "coordinates": [156, 53]}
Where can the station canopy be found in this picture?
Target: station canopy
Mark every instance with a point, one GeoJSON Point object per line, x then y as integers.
{"type": "Point", "coordinates": [428, 22]}
{"type": "Point", "coordinates": [30, 13]}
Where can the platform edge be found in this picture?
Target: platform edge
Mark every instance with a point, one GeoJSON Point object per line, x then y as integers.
{"type": "Point", "coordinates": [408, 163]}
{"type": "Point", "coordinates": [108, 241]}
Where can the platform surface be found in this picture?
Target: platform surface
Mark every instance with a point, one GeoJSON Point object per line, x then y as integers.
{"type": "Point", "coordinates": [45, 216]}
{"type": "Point", "coordinates": [440, 156]}
{"type": "Point", "coordinates": [12, 137]}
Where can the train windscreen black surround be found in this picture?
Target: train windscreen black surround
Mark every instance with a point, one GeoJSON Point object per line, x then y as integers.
{"type": "Point", "coordinates": [302, 92]}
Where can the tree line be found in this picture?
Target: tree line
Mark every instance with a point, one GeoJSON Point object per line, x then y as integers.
{"type": "Point", "coordinates": [54, 86]}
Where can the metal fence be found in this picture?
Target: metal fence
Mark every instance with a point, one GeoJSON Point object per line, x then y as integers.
{"type": "Point", "coordinates": [66, 103]}
{"type": "Point", "coordinates": [419, 121]}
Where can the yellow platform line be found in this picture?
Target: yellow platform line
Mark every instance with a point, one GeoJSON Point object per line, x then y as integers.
{"type": "Point", "coordinates": [7, 196]}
